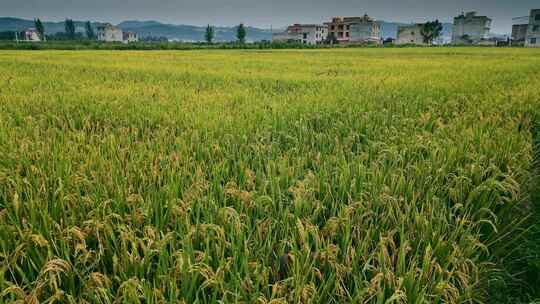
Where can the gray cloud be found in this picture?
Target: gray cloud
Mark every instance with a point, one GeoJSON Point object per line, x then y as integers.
{"type": "Point", "coordinates": [264, 13]}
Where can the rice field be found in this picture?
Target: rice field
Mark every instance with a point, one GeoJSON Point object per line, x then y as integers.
{"type": "Point", "coordinates": [314, 176]}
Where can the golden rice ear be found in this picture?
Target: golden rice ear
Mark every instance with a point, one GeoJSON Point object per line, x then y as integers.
{"type": "Point", "coordinates": [56, 266]}
{"type": "Point", "coordinates": [39, 240]}
{"type": "Point", "coordinates": [12, 289]}
{"type": "Point", "coordinates": [98, 280]}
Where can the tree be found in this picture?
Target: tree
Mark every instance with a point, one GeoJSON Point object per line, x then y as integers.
{"type": "Point", "coordinates": [8, 35]}
{"type": "Point", "coordinates": [39, 28]}
{"type": "Point", "coordinates": [209, 35]}
{"type": "Point", "coordinates": [431, 30]}
{"type": "Point", "coordinates": [90, 34]}
{"type": "Point", "coordinates": [70, 29]}
{"type": "Point", "coordinates": [241, 33]}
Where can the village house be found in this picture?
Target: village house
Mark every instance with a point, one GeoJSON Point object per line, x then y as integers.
{"type": "Point", "coordinates": [349, 30]}
{"type": "Point", "coordinates": [533, 30]}
{"type": "Point", "coordinates": [519, 30]}
{"type": "Point", "coordinates": [109, 33]}
{"type": "Point", "coordinates": [130, 37]}
{"type": "Point", "coordinates": [470, 29]}
{"type": "Point", "coordinates": [410, 34]}
{"type": "Point", "coordinates": [311, 34]}
{"type": "Point", "coordinates": [31, 34]}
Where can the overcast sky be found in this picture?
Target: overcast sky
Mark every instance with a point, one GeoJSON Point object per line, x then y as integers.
{"type": "Point", "coordinates": [264, 13]}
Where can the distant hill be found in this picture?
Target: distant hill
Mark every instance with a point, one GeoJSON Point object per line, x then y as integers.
{"type": "Point", "coordinates": [17, 24]}
{"type": "Point", "coordinates": [181, 32]}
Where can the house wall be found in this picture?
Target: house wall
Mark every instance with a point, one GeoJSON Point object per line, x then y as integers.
{"type": "Point", "coordinates": [519, 32]}
{"type": "Point", "coordinates": [339, 29]}
{"type": "Point", "coordinates": [31, 36]}
{"type": "Point", "coordinates": [354, 29]}
{"type": "Point", "coordinates": [476, 27]}
{"type": "Point", "coordinates": [314, 35]}
{"type": "Point", "coordinates": [410, 34]}
{"type": "Point", "coordinates": [110, 34]}
{"type": "Point", "coordinates": [321, 34]}
{"type": "Point", "coordinates": [306, 34]}
{"type": "Point", "coordinates": [130, 37]}
{"type": "Point", "coordinates": [365, 32]}
{"type": "Point", "coordinates": [533, 30]}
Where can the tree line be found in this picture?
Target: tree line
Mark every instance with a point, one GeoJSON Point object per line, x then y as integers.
{"type": "Point", "coordinates": [241, 34]}
{"type": "Point", "coordinates": [70, 33]}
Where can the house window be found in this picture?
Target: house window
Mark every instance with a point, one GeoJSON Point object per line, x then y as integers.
{"type": "Point", "coordinates": [536, 28]}
{"type": "Point", "coordinates": [347, 34]}
{"type": "Point", "coordinates": [340, 34]}
{"type": "Point", "coordinates": [340, 27]}
{"type": "Point", "coordinates": [333, 28]}
{"type": "Point", "coordinates": [348, 27]}
{"type": "Point", "coordinates": [533, 40]}
{"type": "Point", "coordinates": [305, 35]}
{"type": "Point", "coordinates": [412, 33]}
{"type": "Point", "coordinates": [537, 17]}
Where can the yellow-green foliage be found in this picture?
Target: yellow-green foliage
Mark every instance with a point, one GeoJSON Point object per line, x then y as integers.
{"type": "Point", "coordinates": [350, 176]}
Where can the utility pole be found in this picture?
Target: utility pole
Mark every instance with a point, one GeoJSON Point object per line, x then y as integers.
{"type": "Point", "coordinates": [17, 37]}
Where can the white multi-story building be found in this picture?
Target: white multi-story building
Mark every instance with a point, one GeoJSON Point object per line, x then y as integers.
{"type": "Point", "coordinates": [519, 30]}
{"type": "Point", "coordinates": [109, 33]}
{"type": "Point", "coordinates": [130, 37]}
{"type": "Point", "coordinates": [311, 34]}
{"type": "Point", "coordinates": [470, 28]}
{"type": "Point", "coordinates": [533, 30]}
{"type": "Point", "coordinates": [410, 34]}
{"type": "Point", "coordinates": [31, 34]}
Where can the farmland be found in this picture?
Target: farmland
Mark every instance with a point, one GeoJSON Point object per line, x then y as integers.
{"type": "Point", "coordinates": [315, 176]}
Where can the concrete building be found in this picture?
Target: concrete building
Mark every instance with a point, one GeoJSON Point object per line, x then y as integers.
{"type": "Point", "coordinates": [410, 34]}
{"type": "Point", "coordinates": [533, 30]}
{"type": "Point", "coordinates": [31, 34]}
{"type": "Point", "coordinates": [470, 28]}
{"type": "Point", "coordinates": [352, 30]}
{"type": "Point", "coordinates": [519, 30]}
{"type": "Point", "coordinates": [311, 34]}
{"type": "Point", "coordinates": [130, 37]}
{"type": "Point", "coordinates": [109, 33]}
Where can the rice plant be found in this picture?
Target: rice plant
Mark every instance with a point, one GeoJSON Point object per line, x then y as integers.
{"type": "Point", "coordinates": [320, 176]}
